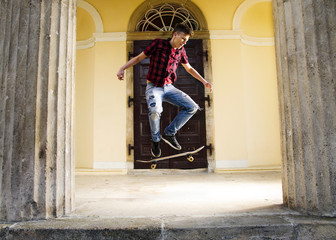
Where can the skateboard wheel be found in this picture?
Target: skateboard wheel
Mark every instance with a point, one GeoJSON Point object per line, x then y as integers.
{"type": "Point", "coordinates": [153, 166]}
{"type": "Point", "coordinates": [190, 158]}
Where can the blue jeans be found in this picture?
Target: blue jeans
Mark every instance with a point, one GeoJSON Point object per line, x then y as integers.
{"type": "Point", "coordinates": [155, 96]}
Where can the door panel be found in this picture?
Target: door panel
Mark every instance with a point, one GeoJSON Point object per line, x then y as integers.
{"type": "Point", "coordinates": [192, 135]}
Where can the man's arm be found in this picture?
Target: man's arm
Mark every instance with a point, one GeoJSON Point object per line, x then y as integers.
{"type": "Point", "coordinates": [130, 63]}
{"type": "Point", "coordinates": [192, 71]}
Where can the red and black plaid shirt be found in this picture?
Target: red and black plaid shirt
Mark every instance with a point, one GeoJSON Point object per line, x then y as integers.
{"type": "Point", "coordinates": [164, 60]}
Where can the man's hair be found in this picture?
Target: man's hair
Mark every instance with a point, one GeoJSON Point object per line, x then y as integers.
{"type": "Point", "coordinates": [180, 27]}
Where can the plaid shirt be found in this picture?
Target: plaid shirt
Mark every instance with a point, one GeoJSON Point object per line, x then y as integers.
{"type": "Point", "coordinates": [164, 60]}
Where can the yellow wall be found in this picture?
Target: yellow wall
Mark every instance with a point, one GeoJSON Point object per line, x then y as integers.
{"type": "Point", "coordinates": [100, 116]}
{"type": "Point", "coordinates": [86, 24]}
{"type": "Point", "coordinates": [109, 104]}
{"type": "Point", "coordinates": [218, 13]}
{"type": "Point", "coordinates": [258, 20]}
{"type": "Point", "coordinates": [115, 14]}
{"type": "Point", "coordinates": [246, 118]}
{"type": "Point", "coordinates": [229, 100]}
{"type": "Point", "coordinates": [84, 111]}
{"type": "Point", "coordinates": [261, 101]}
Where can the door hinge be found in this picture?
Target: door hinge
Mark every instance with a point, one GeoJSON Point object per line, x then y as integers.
{"type": "Point", "coordinates": [130, 55]}
{"type": "Point", "coordinates": [207, 99]}
{"type": "Point", "coordinates": [205, 54]}
{"type": "Point", "coordinates": [209, 147]}
{"type": "Point", "coordinates": [130, 100]}
{"type": "Point", "coordinates": [130, 148]}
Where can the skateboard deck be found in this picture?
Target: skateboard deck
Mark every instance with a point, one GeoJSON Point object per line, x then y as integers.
{"type": "Point", "coordinates": [188, 154]}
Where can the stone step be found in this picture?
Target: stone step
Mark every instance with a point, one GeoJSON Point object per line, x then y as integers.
{"type": "Point", "coordinates": [185, 228]}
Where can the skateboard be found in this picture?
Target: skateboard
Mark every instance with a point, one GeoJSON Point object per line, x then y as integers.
{"type": "Point", "coordinates": [188, 154]}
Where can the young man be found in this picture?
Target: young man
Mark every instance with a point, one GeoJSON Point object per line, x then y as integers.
{"type": "Point", "coordinates": [165, 55]}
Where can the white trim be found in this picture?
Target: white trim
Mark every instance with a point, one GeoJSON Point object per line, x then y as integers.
{"type": "Point", "coordinates": [85, 43]}
{"type": "Point", "coordinates": [94, 14]}
{"type": "Point", "coordinates": [241, 11]}
{"type": "Point", "coordinates": [110, 36]}
{"type": "Point", "coordinates": [230, 164]}
{"type": "Point", "coordinates": [214, 34]}
{"type": "Point", "coordinates": [101, 37]}
{"type": "Point", "coordinates": [250, 169]}
{"type": "Point", "coordinates": [257, 41]}
{"type": "Point", "coordinates": [109, 165]}
{"type": "Point", "coordinates": [239, 35]}
{"type": "Point", "coordinates": [225, 34]}
{"type": "Point", "coordinates": [100, 172]}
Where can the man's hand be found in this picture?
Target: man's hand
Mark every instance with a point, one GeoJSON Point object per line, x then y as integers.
{"type": "Point", "coordinates": [130, 63]}
{"type": "Point", "coordinates": [121, 74]}
{"type": "Point", "coordinates": [208, 85]}
{"type": "Point", "coordinates": [196, 75]}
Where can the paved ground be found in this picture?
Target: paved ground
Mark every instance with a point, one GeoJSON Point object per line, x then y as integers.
{"type": "Point", "coordinates": [188, 206]}
{"type": "Point", "coordinates": [169, 195]}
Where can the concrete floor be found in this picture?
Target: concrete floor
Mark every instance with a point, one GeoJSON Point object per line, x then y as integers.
{"type": "Point", "coordinates": [188, 193]}
{"type": "Point", "coordinates": [188, 205]}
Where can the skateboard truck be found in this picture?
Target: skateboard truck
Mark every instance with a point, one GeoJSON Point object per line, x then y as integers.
{"type": "Point", "coordinates": [190, 158]}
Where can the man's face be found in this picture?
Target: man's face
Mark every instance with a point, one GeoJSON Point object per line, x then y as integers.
{"type": "Point", "coordinates": [180, 39]}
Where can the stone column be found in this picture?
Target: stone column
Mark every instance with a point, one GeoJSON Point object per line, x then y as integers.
{"type": "Point", "coordinates": [305, 32]}
{"type": "Point", "coordinates": [37, 52]}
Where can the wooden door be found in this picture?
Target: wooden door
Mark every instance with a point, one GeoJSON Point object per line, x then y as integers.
{"type": "Point", "coordinates": [192, 135]}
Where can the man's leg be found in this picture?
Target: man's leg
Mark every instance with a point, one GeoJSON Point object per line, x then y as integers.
{"type": "Point", "coordinates": [154, 97]}
{"type": "Point", "coordinates": [187, 109]}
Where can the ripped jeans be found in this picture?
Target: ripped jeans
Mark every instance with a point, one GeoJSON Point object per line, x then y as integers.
{"type": "Point", "coordinates": [155, 96]}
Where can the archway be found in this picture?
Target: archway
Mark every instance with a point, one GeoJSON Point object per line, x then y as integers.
{"type": "Point", "coordinates": [138, 29]}
{"type": "Point", "coordinates": [141, 10]}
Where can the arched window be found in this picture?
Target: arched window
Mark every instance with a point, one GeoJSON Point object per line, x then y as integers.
{"type": "Point", "coordinates": [165, 17]}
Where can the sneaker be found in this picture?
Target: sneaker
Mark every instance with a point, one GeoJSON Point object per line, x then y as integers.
{"type": "Point", "coordinates": [156, 150]}
{"type": "Point", "coordinates": [171, 141]}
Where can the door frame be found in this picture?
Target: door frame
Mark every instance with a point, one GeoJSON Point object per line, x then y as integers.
{"type": "Point", "coordinates": [209, 120]}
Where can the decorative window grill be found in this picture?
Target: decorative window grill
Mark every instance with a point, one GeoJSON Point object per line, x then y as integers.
{"type": "Point", "coordinates": [165, 17]}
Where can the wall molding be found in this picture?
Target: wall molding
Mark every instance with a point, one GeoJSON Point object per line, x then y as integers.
{"type": "Point", "coordinates": [101, 37]}
{"type": "Point", "coordinates": [94, 14]}
{"type": "Point", "coordinates": [239, 35]}
{"type": "Point", "coordinates": [214, 34]}
{"type": "Point", "coordinates": [110, 37]}
{"type": "Point", "coordinates": [257, 41]}
{"type": "Point", "coordinates": [85, 43]}
{"type": "Point", "coordinates": [231, 164]}
{"type": "Point", "coordinates": [109, 165]}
